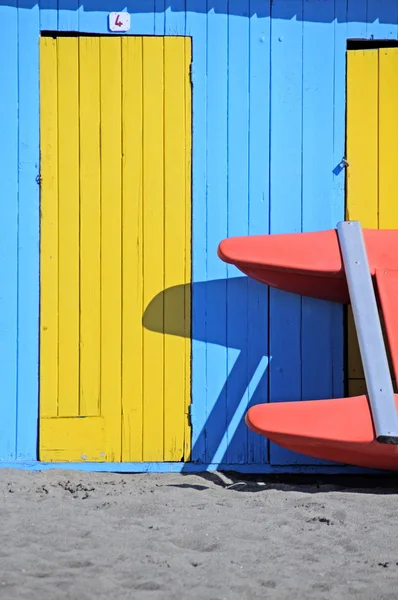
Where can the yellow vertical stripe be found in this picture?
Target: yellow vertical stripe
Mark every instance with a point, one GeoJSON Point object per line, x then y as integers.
{"type": "Point", "coordinates": [187, 245]}
{"type": "Point", "coordinates": [153, 221]}
{"type": "Point", "coordinates": [174, 258]}
{"type": "Point", "coordinates": [116, 207]}
{"type": "Point", "coordinates": [362, 136]}
{"type": "Point", "coordinates": [362, 155]}
{"type": "Point", "coordinates": [388, 136]}
{"type": "Point", "coordinates": [132, 249]}
{"type": "Point", "coordinates": [372, 128]}
{"type": "Point", "coordinates": [68, 225]}
{"type": "Point", "coordinates": [49, 230]}
{"type": "Point", "coordinates": [111, 187]}
{"type": "Point", "coordinates": [90, 227]}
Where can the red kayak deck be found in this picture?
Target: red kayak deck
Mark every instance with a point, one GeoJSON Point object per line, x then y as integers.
{"type": "Point", "coordinates": [309, 264]}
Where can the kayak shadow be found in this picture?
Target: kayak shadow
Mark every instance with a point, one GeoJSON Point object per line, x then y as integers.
{"type": "Point", "coordinates": [228, 325]}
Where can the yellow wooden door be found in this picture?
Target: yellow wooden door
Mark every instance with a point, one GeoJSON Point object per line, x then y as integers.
{"type": "Point", "coordinates": [372, 154]}
{"type": "Point", "coordinates": [115, 233]}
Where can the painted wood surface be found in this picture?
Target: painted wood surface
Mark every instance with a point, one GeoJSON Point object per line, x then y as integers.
{"type": "Point", "coordinates": [115, 231]}
{"type": "Point", "coordinates": [372, 179]}
{"type": "Point", "coordinates": [236, 360]}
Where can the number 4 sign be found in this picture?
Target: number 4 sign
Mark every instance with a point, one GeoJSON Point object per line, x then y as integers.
{"type": "Point", "coordinates": [119, 21]}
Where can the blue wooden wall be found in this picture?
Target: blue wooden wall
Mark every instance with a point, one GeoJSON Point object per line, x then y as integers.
{"type": "Point", "coordinates": [268, 135]}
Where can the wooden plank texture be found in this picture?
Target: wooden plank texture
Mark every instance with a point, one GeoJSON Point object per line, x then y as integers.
{"type": "Point", "coordinates": [73, 439]}
{"type": "Point", "coordinates": [28, 233]}
{"type": "Point", "coordinates": [9, 230]}
{"type": "Point", "coordinates": [132, 235]}
{"type": "Point", "coordinates": [49, 229]}
{"type": "Point", "coordinates": [286, 180]}
{"type": "Point", "coordinates": [90, 226]}
{"type": "Point", "coordinates": [68, 226]}
{"type": "Point", "coordinates": [111, 242]}
{"type": "Point", "coordinates": [176, 72]}
{"type": "Point", "coordinates": [153, 233]}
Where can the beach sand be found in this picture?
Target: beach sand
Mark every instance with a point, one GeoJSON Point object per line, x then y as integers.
{"type": "Point", "coordinates": [85, 536]}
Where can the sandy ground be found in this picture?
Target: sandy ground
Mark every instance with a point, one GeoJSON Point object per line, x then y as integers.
{"type": "Point", "coordinates": [92, 536]}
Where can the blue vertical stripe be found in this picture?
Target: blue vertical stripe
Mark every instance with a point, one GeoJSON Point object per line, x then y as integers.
{"type": "Point", "coordinates": [237, 223]}
{"type": "Point", "coordinates": [216, 227]}
{"type": "Point", "coordinates": [259, 203]}
{"type": "Point", "coordinates": [338, 178]}
{"type": "Point", "coordinates": [196, 27]}
{"type": "Point", "coordinates": [318, 99]}
{"type": "Point", "coordinates": [8, 229]}
{"type": "Point", "coordinates": [28, 233]}
{"type": "Point", "coordinates": [285, 207]}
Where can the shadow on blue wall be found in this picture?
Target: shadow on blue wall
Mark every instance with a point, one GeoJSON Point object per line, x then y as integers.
{"type": "Point", "coordinates": [319, 11]}
{"type": "Point", "coordinates": [164, 315]}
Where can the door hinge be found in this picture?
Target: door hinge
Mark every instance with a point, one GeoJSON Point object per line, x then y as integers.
{"type": "Point", "coordinates": [189, 415]}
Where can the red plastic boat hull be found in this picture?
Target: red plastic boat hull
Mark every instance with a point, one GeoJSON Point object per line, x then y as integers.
{"type": "Point", "coordinates": [338, 430]}
{"type": "Point", "coordinates": [309, 264]}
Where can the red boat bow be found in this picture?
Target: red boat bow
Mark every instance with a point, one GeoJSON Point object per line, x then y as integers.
{"type": "Point", "coordinates": [339, 430]}
{"type": "Point", "coordinates": [309, 264]}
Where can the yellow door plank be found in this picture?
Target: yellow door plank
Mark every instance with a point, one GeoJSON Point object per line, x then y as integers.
{"type": "Point", "coordinates": [175, 75]}
{"type": "Point", "coordinates": [111, 242]}
{"type": "Point", "coordinates": [68, 203]}
{"type": "Point", "coordinates": [153, 215]}
{"type": "Point", "coordinates": [362, 136]}
{"type": "Point", "coordinates": [49, 229]}
{"type": "Point", "coordinates": [388, 136]}
{"type": "Point", "coordinates": [73, 439]}
{"type": "Point", "coordinates": [362, 156]}
{"type": "Point", "coordinates": [90, 226]}
{"type": "Point", "coordinates": [372, 128]}
{"type": "Point", "coordinates": [132, 388]}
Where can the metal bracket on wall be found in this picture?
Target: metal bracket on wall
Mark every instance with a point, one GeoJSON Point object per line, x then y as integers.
{"type": "Point", "coordinates": [369, 332]}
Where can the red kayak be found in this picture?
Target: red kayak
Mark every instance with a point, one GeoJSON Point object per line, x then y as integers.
{"type": "Point", "coordinates": [310, 264]}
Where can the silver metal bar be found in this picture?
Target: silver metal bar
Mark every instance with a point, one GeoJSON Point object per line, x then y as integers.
{"type": "Point", "coordinates": [369, 332]}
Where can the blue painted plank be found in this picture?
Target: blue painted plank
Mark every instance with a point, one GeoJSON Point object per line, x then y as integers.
{"type": "Point", "coordinates": [68, 15]}
{"type": "Point", "coordinates": [356, 19]}
{"type": "Point", "coordinates": [237, 224]}
{"type": "Point", "coordinates": [159, 17]}
{"type": "Point", "coordinates": [216, 223]}
{"type": "Point", "coordinates": [48, 15]}
{"type": "Point", "coordinates": [176, 467]}
{"type": "Point", "coordinates": [338, 184]}
{"type": "Point", "coordinates": [382, 19]}
{"type": "Point", "coordinates": [259, 141]}
{"type": "Point", "coordinates": [196, 27]}
{"type": "Point", "coordinates": [317, 179]}
{"type": "Point", "coordinates": [285, 198]}
{"type": "Point", "coordinates": [8, 230]}
{"type": "Point", "coordinates": [28, 233]}
{"type": "Point", "coordinates": [175, 18]}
